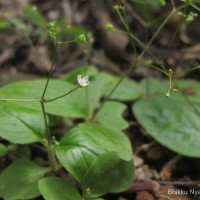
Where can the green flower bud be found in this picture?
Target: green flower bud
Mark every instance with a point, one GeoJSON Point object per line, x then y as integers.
{"type": "Point", "coordinates": [108, 26]}
{"type": "Point", "coordinates": [51, 26]}
{"type": "Point", "coordinates": [81, 38]}
{"type": "Point", "coordinates": [116, 7]}
{"type": "Point", "coordinates": [162, 2]}
{"type": "Point", "coordinates": [148, 62]}
{"type": "Point", "coordinates": [181, 14]}
{"type": "Point", "coordinates": [175, 90]}
{"type": "Point", "coordinates": [170, 71]}
{"type": "Point", "coordinates": [190, 17]}
{"type": "Point", "coordinates": [2, 24]}
{"type": "Point", "coordinates": [167, 95]}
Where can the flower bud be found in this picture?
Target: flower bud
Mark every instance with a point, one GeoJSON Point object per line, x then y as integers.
{"type": "Point", "coordinates": [108, 26]}
{"type": "Point", "coordinates": [81, 38]}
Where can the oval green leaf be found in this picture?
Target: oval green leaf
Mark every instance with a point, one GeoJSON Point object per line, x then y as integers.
{"type": "Point", "coordinates": [21, 125]}
{"type": "Point", "coordinates": [111, 115]}
{"type": "Point", "coordinates": [108, 173]}
{"type": "Point", "coordinates": [173, 123]}
{"type": "Point", "coordinates": [69, 106]}
{"type": "Point", "coordinates": [54, 188]}
{"type": "Point", "coordinates": [20, 179]}
{"type": "Point", "coordinates": [82, 145]}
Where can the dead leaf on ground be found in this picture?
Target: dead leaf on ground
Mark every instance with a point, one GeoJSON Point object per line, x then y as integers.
{"type": "Point", "coordinates": [144, 195]}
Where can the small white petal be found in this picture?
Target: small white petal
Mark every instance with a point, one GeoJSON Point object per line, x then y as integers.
{"type": "Point", "coordinates": [82, 81]}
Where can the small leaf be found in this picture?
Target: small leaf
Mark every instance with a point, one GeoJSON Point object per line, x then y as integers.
{"type": "Point", "coordinates": [111, 115]}
{"type": "Point", "coordinates": [101, 174]}
{"type": "Point", "coordinates": [125, 176]}
{"type": "Point", "coordinates": [172, 122]}
{"type": "Point", "coordinates": [54, 188]}
{"type": "Point", "coordinates": [105, 175]}
{"type": "Point", "coordinates": [108, 139]}
{"type": "Point", "coordinates": [69, 106]}
{"type": "Point", "coordinates": [20, 179]}
{"type": "Point", "coordinates": [21, 125]}
{"type": "Point", "coordinates": [80, 146]}
{"type": "Point", "coordinates": [127, 89]}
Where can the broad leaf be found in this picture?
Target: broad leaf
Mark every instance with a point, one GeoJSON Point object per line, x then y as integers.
{"type": "Point", "coordinates": [21, 125]}
{"type": "Point", "coordinates": [111, 115]}
{"type": "Point", "coordinates": [106, 174]}
{"type": "Point", "coordinates": [82, 145]}
{"type": "Point", "coordinates": [69, 106]}
{"type": "Point", "coordinates": [108, 139]}
{"type": "Point", "coordinates": [173, 123]}
{"type": "Point", "coordinates": [20, 179]}
{"type": "Point", "coordinates": [127, 90]}
{"type": "Point", "coordinates": [125, 176]}
{"type": "Point", "coordinates": [54, 188]}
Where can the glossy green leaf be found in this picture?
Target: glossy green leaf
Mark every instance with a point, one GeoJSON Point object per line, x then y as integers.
{"type": "Point", "coordinates": [125, 176]}
{"type": "Point", "coordinates": [111, 140]}
{"type": "Point", "coordinates": [111, 115]}
{"type": "Point", "coordinates": [172, 122]}
{"type": "Point", "coordinates": [101, 84]}
{"type": "Point", "coordinates": [127, 90]}
{"type": "Point", "coordinates": [69, 106]}
{"type": "Point", "coordinates": [20, 179]}
{"type": "Point", "coordinates": [106, 174]}
{"type": "Point", "coordinates": [54, 188]}
{"type": "Point", "coordinates": [101, 174]}
{"type": "Point", "coordinates": [82, 145]}
{"type": "Point", "coordinates": [21, 125]}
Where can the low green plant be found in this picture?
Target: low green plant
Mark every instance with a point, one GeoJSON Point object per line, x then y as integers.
{"type": "Point", "coordinates": [95, 152]}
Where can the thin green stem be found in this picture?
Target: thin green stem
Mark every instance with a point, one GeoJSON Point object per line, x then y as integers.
{"type": "Point", "coordinates": [48, 135]}
{"type": "Point", "coordinates": [53, 99]}
{"type": "Point", "coordinates": [157, 32]}
{"type": "Point", "coordinates": [137, 17]}
{"type": "Point", "coordinates": [173, 4]}
{"type": "Point", "coordinates": [188, 70]}
{"type": "Point", "coordinates": [50, 146]}
{"type": "Point", "coordinates": [132, 36]}
{"type": "Point", "coordinates": [20, 100]}
{"type": "Point", "coordinates": [109, 95]}
{"type": "Point", "coordinates": [133, 65]}
{"type": "Point", "coordinates": [67, 42]}
{"type": "Point", "coordinates": [51, 70]}
{"type": "Point", "coordinates": [195, 7]}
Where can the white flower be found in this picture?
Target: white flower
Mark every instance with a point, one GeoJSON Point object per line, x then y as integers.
{"type": "Point", "coordinates": [83, 81]}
